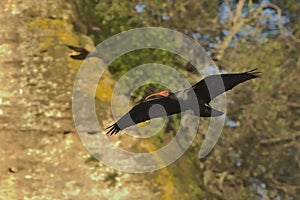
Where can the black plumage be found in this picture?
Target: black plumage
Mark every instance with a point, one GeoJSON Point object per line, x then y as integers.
{"type": "Point", "coordinates": [172, 103]}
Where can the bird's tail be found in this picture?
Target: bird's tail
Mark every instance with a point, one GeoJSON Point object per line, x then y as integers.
{"type": "Point", "coordinates": [214, 112]}
{"type": "Point", "coordinates": [208, 111]}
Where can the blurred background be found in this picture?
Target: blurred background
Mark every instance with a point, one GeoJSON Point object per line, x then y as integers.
{"type": "Point", "coordinates": [258, 153]}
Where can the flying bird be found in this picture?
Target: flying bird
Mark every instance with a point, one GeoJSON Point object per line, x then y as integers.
{"type": "Point", "coordinates": [83, 53]}
{"type": "Point", "coordinates": [166, 103]}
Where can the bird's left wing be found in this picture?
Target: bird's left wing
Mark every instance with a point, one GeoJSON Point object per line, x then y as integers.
{"type": "Point", "coordinates": [144, 111]}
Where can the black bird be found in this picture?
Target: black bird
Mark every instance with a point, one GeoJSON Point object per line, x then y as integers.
{"type": "Point", "coordinates": [172, 103]}
{"type": "Point", "coordinates": [83, 53]}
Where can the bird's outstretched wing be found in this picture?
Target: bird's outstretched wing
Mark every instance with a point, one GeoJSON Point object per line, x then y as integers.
{"type": "Point", "coordinates": [144, 111]}
{"type": "Point", "coordinates": [214, 85]}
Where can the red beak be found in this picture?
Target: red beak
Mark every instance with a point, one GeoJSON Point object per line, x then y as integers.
{"type": "Point", "coordinates": [162, 94]}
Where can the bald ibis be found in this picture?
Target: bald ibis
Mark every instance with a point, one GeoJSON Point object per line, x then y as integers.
{"type": "Point", "coordinates": [172, 103]}
{"type": "Point", "coordinates": [83, 53]}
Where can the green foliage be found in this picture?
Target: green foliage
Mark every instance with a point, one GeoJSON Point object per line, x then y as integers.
{"type": "Point", "coordinates": [264, 148]}
{"type": "Point", "coordinates": [267, 111]}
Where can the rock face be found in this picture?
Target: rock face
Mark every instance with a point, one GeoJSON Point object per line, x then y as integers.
{"type": "Point", "coordinates": [41, 155]}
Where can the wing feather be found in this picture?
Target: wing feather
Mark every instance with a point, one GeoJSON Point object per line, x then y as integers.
{"type": "Point", "coordinates": [214, 85]}
{"type": "Point", "coordinates": [144, 111]}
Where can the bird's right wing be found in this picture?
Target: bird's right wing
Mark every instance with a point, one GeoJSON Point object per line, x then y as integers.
{"type": "Point", "coordinates": [144, 111]}
{"type": "Point", "coordinates": [77, 49]}
{"type": "Point", "coordinates": [214, 85]}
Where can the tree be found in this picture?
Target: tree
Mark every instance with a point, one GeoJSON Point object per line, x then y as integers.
{"type": "Point", "coordinates": [259, 156]}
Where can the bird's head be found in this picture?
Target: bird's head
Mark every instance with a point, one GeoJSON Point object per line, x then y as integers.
{"type": "Point", "coordinates": [164, 93]}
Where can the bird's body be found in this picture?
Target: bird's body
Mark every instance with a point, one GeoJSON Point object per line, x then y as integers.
{"type": "Point", "coordinates": [196, 98]}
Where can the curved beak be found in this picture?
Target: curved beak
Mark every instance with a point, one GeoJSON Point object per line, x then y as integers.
{"type": "Point", "coordinates": [162, 94]}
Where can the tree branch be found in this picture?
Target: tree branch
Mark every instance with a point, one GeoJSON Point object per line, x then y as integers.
{"type": "Point", "coordinates": [280, 140]}
{"type": "Point", "coordinates": [238, 22]}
